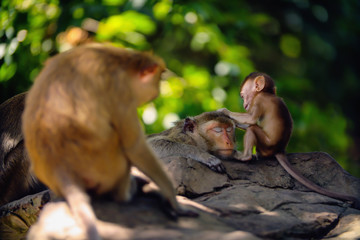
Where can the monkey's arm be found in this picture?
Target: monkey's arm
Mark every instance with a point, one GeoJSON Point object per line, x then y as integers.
{"type": "Point", "coordinates": [244, 119]}
{"type": "Point", "coordinates": [165, 148]}
{"type": "Point", "coordinates": [138, 152]}
{"type": "Point", "coordinates": [142, 157]}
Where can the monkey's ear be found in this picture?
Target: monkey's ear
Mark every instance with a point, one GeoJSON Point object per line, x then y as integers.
{"type": "Point", "coordinates": [189, 125]}
{"type": "Point", "coordinates": [259, 83]}
{"type": "Point", "coordinates": [148, 73]}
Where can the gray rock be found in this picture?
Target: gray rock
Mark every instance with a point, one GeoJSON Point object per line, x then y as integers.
{"type": "Point", "coordinates": [254, 200]}
{"type": "Point", "coordinates": [275, 213]}
{"type": "Point", "coordinates": [348, 226]}
{"type": "Point", "coordinates": [16, 217]}
{"type": "Point", "coordinates": [318, 167]}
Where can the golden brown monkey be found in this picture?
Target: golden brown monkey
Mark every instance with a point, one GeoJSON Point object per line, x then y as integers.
{"type": "Point", "coordinates": [16, 181]}
{"type": "Point", "coordinates": [81, 127]}
{"type": "Point", "coordinates": [204, 138]}
{"type": "Point", "coordinates": [270, 127]}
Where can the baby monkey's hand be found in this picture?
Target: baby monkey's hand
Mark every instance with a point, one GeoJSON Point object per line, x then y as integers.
{"type": "Point", "coordinates": [224, 111]}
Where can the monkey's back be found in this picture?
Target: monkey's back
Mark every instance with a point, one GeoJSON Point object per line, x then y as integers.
{"type": "Point", "coordinates": [279, 130]}
{"type": "Point", "coordinates": [68, 124]}
{"type": "Point", "coordinates": [173, 134]}
{"type": "Point", "coordinates": [15, 179]}
{"type": "Point", "coordinates": [10, 123]}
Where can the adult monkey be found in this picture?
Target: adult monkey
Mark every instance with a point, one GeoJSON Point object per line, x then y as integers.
{"type": "Point", "coordinates": [16, 181]}
{"type": "Point", "coordinates": [270, 127]}
{"type": "Point", "coordinates": [81, 127]}
{"type": "Point", "coordinates": [205, 138]}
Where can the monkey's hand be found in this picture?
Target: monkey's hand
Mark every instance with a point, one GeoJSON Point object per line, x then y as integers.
{"type": "Point", "coordinates": [184, 212]}
{"type": "Point", "coordinates": [224, 111]}
{"type": "Point", "coordinates": [213, 163]}
{"type": "Point", "coordinates": [173, 209]}
{"type": "Point", "coordinates": [178, 212]}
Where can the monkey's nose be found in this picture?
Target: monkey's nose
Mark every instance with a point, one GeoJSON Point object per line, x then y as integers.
{"type": "Point", "coordinates": [230, 144]}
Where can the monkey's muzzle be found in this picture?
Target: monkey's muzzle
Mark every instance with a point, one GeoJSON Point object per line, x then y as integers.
{"type": "Point", "coordinates": [225, 152]}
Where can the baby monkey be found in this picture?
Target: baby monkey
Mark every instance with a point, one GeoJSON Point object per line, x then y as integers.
{"type": "Point", "coordinates": [269, 128]}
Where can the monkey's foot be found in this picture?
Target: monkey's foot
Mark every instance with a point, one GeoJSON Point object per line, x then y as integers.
{"type": "Point", "coordinates": [246, 158]}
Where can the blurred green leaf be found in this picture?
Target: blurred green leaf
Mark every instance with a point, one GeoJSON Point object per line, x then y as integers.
{"type": "Point", "coordinates": [130, 27]}
{"type": "Point", "coordinates": [290, 45]}
{"type": "Point", "coordinates": [7, 72]}
{"type": "Point", "coordinates": [196, 77]}
{"type": "Point", "coordinates": [113, 2]}
{"type": "Point", "coordinates": [162, 8]}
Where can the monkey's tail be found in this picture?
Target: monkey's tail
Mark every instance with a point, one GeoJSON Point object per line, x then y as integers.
{"type": "Point", "coordinates": [284, 162]}
{"type": "Point", "coordinates": [79, 203]}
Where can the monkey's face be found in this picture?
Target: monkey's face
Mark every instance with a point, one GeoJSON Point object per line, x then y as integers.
{"type": "Point", "coordinates": [221, 137]}
{"type": "Point", "coordinates": [247, 93]}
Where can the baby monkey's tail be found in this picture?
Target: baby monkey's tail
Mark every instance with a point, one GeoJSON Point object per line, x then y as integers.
{"type": "Point", "coordinates": [284, 162]}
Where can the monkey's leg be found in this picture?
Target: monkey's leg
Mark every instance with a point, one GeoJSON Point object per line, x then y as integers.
{"type": "Point", "coordinates": [79, 203]}
{"type": "Point", "coordinates": [249, 142]}
{"type": "Point", "coordinates": [255, 136]}
{"type": "Point", "coordinates": [236, 155]}
{"type": "Point", "coordinates": [126, 187]}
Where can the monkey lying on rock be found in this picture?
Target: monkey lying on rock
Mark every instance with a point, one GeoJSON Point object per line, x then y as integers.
{"type": "Point", "coordinates": [206, 138]}
{"type": "Point", "coordinates": [16, 181]}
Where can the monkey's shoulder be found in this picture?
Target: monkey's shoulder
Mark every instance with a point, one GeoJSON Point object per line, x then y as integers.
{"type": "Point", "coordinates": [172, 135]}
{"type": "Point", "coordinates": [269, 101]}
{"type": "Point", "coordinates": [14, 104]}
{"type": "Point", "coordinates": [264, 97]}
{"type": "Point", "coordinates": [10, 115]}
{"type": "Point", "coordinates": [160, 134]}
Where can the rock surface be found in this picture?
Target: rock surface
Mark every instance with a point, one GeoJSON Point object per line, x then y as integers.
{"type": "Point", "coordinates": [16, 217]}
{"type": "Point", "coordinates": [254, 200]}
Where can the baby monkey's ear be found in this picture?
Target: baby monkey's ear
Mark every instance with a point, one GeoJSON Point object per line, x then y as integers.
{"type": "Point", "coordinates": [259, 83]}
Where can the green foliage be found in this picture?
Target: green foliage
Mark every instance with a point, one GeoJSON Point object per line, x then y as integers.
{"type": "Point", "coordinates": [211, 46]}
{"type": "Point", "coordinates": [25, 43]}
{"type": "Point", "coordinates": [130, 27]}
{"type": "Point", "coordinates": [314, 124]}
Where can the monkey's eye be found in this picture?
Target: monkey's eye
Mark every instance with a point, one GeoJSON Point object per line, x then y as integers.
{"type": "Point", "coordinates": [229, 129]}
{"type": "Point", "coordinates": [217, 129]}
